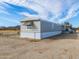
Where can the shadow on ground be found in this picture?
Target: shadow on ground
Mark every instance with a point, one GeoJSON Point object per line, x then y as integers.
{"type": "Point", "coordinates": [65, 36]}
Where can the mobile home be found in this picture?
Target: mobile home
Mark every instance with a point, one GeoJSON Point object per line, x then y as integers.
{"type": "Point", "coordinates": [37, 28]}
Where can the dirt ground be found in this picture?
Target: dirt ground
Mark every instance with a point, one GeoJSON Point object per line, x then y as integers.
{"type": "Point", "coordinates": [65, 46]}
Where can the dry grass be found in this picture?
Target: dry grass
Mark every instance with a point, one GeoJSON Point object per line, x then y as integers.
{"type": "Point", "coordinates": [9, 30]}
{"type": "Point", "coordinates": [65, 46]}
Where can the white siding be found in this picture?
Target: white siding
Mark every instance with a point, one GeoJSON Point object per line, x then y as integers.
{"type": "Point", "coordinates": [31, 33]}
{"type": "Point", "coordinates": [41, 29]}
{"type": "Point", "coordinates": [50, 34]}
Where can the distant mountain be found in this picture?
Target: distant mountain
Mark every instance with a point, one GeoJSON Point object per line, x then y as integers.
{"type": "Point", "coordinates": [11, 27]}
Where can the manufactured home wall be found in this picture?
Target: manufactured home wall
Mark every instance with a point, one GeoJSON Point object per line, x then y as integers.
{"type": "Point", "coordinates": [32, 33]}
{"type": "Point", "coordinates": [50, 34]}
{"type": "Point", "coordinates": [47, 26]}
{"type": "Point", "coordinates": [49, 29]}
{"type": "Point", "coordinates": [36, 27]}
{"type": "Point", "coordinates": [43, 29]}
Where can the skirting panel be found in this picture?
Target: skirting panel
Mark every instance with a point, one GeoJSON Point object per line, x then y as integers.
{"type": "Point", "coordinates": [39, 35]}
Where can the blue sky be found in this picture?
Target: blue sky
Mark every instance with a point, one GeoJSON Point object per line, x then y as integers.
{"type": "Point", "coordinates": [13, 11]}
{"type": "Point", "coordinates": [75, 21]}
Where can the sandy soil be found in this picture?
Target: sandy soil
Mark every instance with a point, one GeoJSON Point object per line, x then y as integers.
{"type": "Point", "coordinates": [65, 46]}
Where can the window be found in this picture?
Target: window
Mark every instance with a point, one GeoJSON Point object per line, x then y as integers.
{"type": "Point", "coordinates": [29, 26]}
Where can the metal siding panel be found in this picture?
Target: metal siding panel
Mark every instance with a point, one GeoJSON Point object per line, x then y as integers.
{"type": "Point", "coordinates": [46, 26]}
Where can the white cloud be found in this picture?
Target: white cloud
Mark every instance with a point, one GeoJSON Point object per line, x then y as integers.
{"type": "Point", "coordinates": [56, 7]}
{"type": "Point", "coordinates": [73, 11]}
